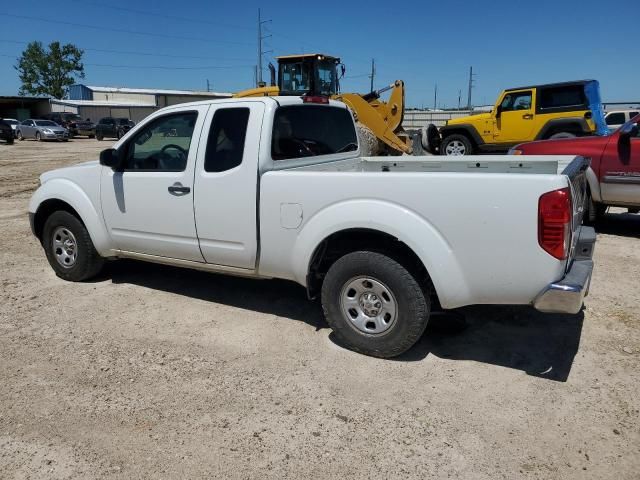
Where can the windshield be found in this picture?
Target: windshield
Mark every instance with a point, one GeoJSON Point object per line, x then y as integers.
{"type": "Point", "coordinates": [123, 121]}
{"type": "Point", "coordinates": [72, 117]}
{"type": "Point", "coordinates": [327, 82]}
{"type": "Point", "coordinates": [46, 123]}
{"type": "Point", "coordinates": [295, 77]}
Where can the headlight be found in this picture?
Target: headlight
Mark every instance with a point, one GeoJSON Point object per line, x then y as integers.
{"type": "Point", "coordinates": [46, 130]}
{"type": "Point", "coordinates": [515, 151]}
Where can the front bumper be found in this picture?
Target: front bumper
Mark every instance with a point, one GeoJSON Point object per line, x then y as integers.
{"type": "Point", "coordinates": [567, 295]}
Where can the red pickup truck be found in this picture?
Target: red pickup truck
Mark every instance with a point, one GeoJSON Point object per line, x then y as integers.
{"type": "Point", "coordinates": [614, 176]}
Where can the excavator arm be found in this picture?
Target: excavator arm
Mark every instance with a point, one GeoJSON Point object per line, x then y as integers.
{"type": "Point", "coordinates": [384, 119]}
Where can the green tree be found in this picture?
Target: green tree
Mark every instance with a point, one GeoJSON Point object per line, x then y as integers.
{"type": "Point", "coordinates": [49, 72]}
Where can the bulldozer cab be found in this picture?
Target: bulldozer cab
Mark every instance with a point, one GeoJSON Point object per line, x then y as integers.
{"type": "Point", "coordinates": [309, 74]}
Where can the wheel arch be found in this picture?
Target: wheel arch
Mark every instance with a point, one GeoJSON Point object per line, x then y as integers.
{"type": "Point", "coordinates": [576, 125]}
{"type": "Point", "coordinates": [396, 231]}
{"type": "Point", "coordinates": [462, 129]}
{"type": "Point", "coordinates": [63, 194]}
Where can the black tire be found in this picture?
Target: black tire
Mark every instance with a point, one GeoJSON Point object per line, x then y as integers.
{"type": "Point", "coordinates": [92, 136]}
{"type": "Point", "coordinates": [20, 137]}
{"type": "Point", "coordinates": [87, 262]}
{"type": "Point", "coordinates": [119, 134]}
{"type": "Point", "coordinates": [456, 143]}
{"type": "Point", "coordinates": [10, 141]}
{"type": "Point", "coordinates": [38, 137]}
{"type": "Point", "coordinates": [562, 135]}
{"type": "Point", "coordinates": [595, 211]}
{"type": "Point", "coordinates": [412, 307]}
{"type": "Point", "coordinates": [99, 136]}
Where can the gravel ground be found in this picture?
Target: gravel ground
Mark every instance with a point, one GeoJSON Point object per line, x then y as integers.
{"type": "Point", "coordinates": [157, 372]}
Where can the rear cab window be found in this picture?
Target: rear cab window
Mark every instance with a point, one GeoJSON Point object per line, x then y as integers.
{"type": "Point", "coordinates": [302, 131]}
{"type": "Point", "coordinates": [562, 98]}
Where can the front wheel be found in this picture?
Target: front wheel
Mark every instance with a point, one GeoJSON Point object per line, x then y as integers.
{"type": "Point", "coordinates": [99, 135]}
{"type": "Point", "coordinates": [38, 137]}
{"type": "Point", "coordinates": [20, 137]}
{"type": "Point", "coordinates": [456, 145]}
{"type": "Point", "coordinates": [69, 248]}
{"type": "Point", "coordinates": [562, 135]}
{"type": "Point", "coordinates": [374, 305]}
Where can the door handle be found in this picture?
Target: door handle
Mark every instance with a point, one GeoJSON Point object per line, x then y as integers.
{"type": "Point", "coordinates": [178, 189]}
{"type": "Point", "coordinates": [527, 116]}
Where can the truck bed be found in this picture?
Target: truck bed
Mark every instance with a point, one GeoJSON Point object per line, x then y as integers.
{"type": "Point", "coordinates": [532, 164]}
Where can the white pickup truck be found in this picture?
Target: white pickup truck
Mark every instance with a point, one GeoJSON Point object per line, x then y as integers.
{"type": "Point", "coordinates": [275, 187]}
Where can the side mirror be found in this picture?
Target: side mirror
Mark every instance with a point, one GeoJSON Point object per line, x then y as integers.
{"type": "Point", "coordinates": [110, 158]}
{"type": "Point", "coordinates": [624, 141]}
{"type": "Point", "coordinates": [498, 111]}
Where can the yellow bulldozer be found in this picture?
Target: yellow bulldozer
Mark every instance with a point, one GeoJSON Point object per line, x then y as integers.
{"type": "Point", "coordinates": [316, 74]}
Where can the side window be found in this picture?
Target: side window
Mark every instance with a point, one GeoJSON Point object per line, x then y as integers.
{"type": "Point", "coordinates": [308, 130]}
{"type": "Point", "coordinates": [570, 96]}
{"type": "Point", "coordinates": [516, 101]}
{"type": "Point", "coordinates": [163, 144]}
{"type": "Point", "coordinates": [615, 118]}
{"type": "Point", "coordinates": [225, 145]}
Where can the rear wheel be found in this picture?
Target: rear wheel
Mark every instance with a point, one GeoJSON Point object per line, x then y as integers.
{"type": "Point", "coordinates": [99, 136]}
{"type": "Point", "coordinates": [374, 305]}
{"type": "Point", "coordinates": [595, 211]}
{"type": "Point", "coordinates": [456, 145]}
{"type": "Point", "coordinates": [69, 248]}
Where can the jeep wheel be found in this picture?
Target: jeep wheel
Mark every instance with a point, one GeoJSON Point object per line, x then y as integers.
{"type": "Point", "coordinates": [456, 145]}
{"type": "Point", "coordinates": [562, 135]}
{"type": "Point", "coordinates": [374, 305]}
{"type": "Point", "coordinates": [69, 248]}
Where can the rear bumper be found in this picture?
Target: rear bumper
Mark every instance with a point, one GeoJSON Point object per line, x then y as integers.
{"type": "Point", "coordinates": [567, 295]}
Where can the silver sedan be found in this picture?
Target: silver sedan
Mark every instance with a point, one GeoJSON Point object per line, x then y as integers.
{"type": "Point", "coordinates": [41, 130]}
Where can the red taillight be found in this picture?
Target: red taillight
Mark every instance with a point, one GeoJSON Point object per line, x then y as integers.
{"type": "Point", "coordinates": [554, 222]}
{"type": "Point", "coordinates": [314, 99]}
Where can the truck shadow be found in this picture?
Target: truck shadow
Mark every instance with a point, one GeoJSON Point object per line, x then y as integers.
{"type": "Point", "coordinates": [622, 224]}
{"type": "Point", "coordinates": [542, 345]}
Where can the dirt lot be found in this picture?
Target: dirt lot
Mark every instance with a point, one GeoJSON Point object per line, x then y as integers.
{"type": "Point", "coordinates": [156, 372]}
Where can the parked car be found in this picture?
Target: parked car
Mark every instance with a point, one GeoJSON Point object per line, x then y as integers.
{"type": "Point", "coordinates": [13, 123]}
{"type": "Point", "coordinates": [570, 109]}
{"type": "Point", "coordinates": [42, 130]}
{"type": "Point", "coordinates": [616, 118]}
{"type": "Point", "coordinates": [6, 133]}
{"type": "Point", "coordinates": [73, 123]}
{"type": "Point", "coordinates": [275, 187]}
{"type": "Point", "coordinates": [110, 127]}
{"type": "Point", "coordinates": [614, 176]}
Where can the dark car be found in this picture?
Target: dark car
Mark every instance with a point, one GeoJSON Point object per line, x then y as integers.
{"type": "Point", "coordinates": [113, 127]}
{"type": "Point", "coordinates": [6, 132]}
{"type": "Point", "coordinates": [74, 123]}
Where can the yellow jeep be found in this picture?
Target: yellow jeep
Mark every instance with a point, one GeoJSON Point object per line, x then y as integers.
{"type": "Point", "coordinates": [529, 113]}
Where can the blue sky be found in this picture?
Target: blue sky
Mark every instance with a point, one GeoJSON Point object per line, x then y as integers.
{"type": "Point", "coordinates": [422, 42]}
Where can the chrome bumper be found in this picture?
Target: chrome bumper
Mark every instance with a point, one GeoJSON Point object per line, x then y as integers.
{"type": "Point", "coordinates": [567, 294]}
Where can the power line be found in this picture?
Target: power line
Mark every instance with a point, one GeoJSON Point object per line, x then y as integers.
{"type": "Point", "coordinates": [162, 15]}
{"type": "Point", "coordinates": [122, 30]}
{"type": "Point", "coordinates": [158, 67]}
{"type": "Point", "coordinates": [148, 54]}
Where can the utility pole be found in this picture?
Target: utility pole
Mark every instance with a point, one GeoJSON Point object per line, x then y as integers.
{"type": "Point", "coordinates": [435, 98]}
{"type": "Point", "coordinates": [208, 89]}
{"type": "Point", "coordinates": [470, 87]}
{"type": "Point", "coordinates": [373, 73]}
{"type": "Point", "coordinates": [261, 52]}
{"type": "Point", "coordinates": [459, 98]}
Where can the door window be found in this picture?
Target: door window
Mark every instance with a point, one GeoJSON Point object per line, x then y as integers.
{"type": "Point", "coordinates": [310, 130]}
{"type": "Point", "coordinates": [225, 145]}
{"type": "Point", "coordinates": [516, 101]}
{"type": "Point", "coordinates": [615, 118]}
{"type": "Point", "coordinates": [162, 145]}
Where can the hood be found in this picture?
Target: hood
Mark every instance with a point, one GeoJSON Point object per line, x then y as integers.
{"type": "Point", "coordinates": [71, 172]}
{"type": "Point", "coordinates": [563, 146]}
{"type": "Point", "coordinates": [57, 128]}
{"type": "Point", "coordinates": [469, 118]}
